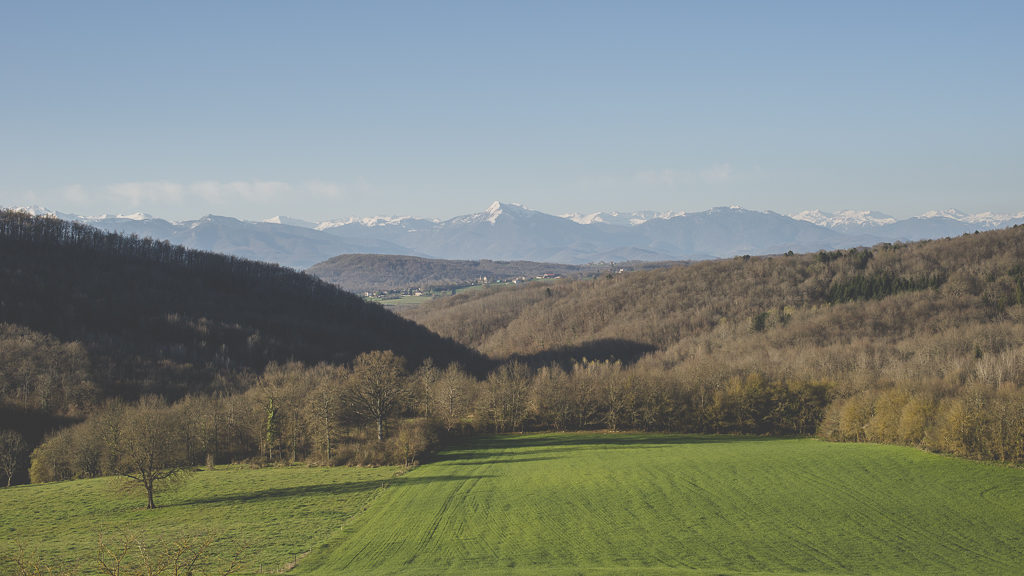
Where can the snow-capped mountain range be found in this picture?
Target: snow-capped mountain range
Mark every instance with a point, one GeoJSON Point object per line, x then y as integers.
{"type": "Point", "coordinates": [845, 220]}
{"type": "Point", "coordinates": [515, 232]}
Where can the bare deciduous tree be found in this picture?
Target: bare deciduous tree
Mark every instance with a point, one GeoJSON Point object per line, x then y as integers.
{"type": "Point", "coordinates": [150, 450]}
{"type": "Point", "coordinates": [12, 451]}
{"type": "Point", "coordinates": [378, 388]}
{"type": "Point", "coordinates": [23, 563]}
{"type": "Point", "coordinates": [133, 555]}
{"type": "Point", "coordinates": [323, 410]}
{"type": "Point", "coordinates": [448, 396]}
{"type": "Point", "coordinates": [509, 392]}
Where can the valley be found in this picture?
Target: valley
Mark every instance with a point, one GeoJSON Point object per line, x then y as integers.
{"type": "Point", "coordinates": [839, 412]}
{"type": "Point", "coordinates": [511, 289]}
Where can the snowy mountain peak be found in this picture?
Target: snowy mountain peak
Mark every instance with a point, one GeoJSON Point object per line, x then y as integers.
{"type": "Point", "coordinates": [951, 213]}
{"type": "Point", "coordinates": [602, 217]}
{"type": "Point", "coordinates": [138, 216]}
{"type": "Point", "coordinates": [370, 222]}
{"type": "Point", "coordinates": [845, 218]}
{"type": "Point", "coordinates": [498, 208]}
{"type": "Point", "coordinates": [290, 222]}
{"type": "Point", "coordinates": [35, 210]}
{"type": "Point", "coordinates": [494, 211]}
{"type": "Point", "coordinates": [986, 219]}
{"type": "Point", "coordinates": [620, 218]}
{"type": "Point", "coordinates": [41, 211]}
{"type": "Point", "coordinates": [727, 209]}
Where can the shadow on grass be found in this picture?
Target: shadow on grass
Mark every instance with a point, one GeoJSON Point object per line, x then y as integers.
{"type": "Point", "coordinates": [320, 490]}
{"type": "Point", "coordinates": [486, 448]}
{"type": "Point", "coordinates": [478, 460]}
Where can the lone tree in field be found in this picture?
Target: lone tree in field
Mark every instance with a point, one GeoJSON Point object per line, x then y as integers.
{"type": "Point", "coordinates": [150, 449]}
{"type": "Point", "coordinates": [12, 449]}
{"type": "Point", "coordinates": [378, 388]}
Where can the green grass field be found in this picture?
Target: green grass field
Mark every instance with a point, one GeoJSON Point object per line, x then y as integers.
{"type": "Point", "coordinates": [633, 504]}
{"type": "Point", "coordinates": [556, 504]}
{"type": "Point", "coordinates": [281, 511]}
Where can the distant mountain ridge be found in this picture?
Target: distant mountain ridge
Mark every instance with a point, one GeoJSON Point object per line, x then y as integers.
{"type": "Point", "coordinates": [508, 231]}
{"type": "Point", "coordinates": [286, 241]}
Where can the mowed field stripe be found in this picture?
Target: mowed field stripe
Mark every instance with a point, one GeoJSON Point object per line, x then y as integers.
{"type": "Point", "coordinates": [635, 504]}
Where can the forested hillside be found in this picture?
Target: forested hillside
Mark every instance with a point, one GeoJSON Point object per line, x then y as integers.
{"type": "Point", "coordinates": [87, 315]}
{"type": "Point", "coordinates": [367, 272]}
{"type": "Point", "coordinates": [135, 298]}
{"type": "Point", "coordinates": [919, 343]}
{"type": "Point", "coordinates": [975, 278]}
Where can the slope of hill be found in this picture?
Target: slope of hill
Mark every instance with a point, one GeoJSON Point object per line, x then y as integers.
{"type": "Point", "coordinates": [367, 272]}
{"type": "Point", "coordinates": [140, 305]}
{"type": "Point", "coordinates": [740, 309]}
{"type": "Point", "coordinates": [919, 344]}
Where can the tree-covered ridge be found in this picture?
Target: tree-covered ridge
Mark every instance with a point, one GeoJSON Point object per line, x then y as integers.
{"type": "Point", "coordinates": [368, 272]}
{"type": "Point", "coordinates": [932, 356]}
{"type": "Point", "coordinates": [145, 309]}
{"type": "Point", "coordinates": [662, 307]}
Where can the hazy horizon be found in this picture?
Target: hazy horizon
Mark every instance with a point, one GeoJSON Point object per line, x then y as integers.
{"type": "Point", "coordinates": [329, 218]}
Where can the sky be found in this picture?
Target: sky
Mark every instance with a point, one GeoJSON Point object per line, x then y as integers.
{"type": "Point", "coordinates": [326, 110]}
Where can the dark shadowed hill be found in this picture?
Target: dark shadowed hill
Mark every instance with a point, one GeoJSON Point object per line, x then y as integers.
{"type": "Point", "coordinates": [141, 305]}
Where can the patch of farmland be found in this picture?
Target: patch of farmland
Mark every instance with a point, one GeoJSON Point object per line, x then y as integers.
{"type": "Point", "coordinates": [679, 504]}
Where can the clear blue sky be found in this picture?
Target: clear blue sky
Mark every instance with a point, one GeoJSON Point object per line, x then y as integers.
{"type": "Point", "coordinates": [323, 110]}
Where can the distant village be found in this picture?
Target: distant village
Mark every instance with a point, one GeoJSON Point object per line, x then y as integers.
{"type": "Point", "coordinates": [430, 292]}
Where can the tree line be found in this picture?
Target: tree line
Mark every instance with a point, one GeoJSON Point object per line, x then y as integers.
{"type": "Point", "coordinates": [376, 412]}
{"type": "Point", "coordinates": [324, 414]}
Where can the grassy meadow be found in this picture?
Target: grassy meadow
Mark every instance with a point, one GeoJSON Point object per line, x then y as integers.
{"type": "Point", "coordinates": [675, 504]}
{"type": "Point", "coordinates": [281, 512]}
{"type": "Point", "coordinates": [553, 504]}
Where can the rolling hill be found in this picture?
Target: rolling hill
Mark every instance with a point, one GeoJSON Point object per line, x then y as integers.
{"type": "Point", "coordinates": [976, 277]}
{"type": "Point", "coordinates": [141, 306]}
{"type": "Point", "coordinates": [368, 272]}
